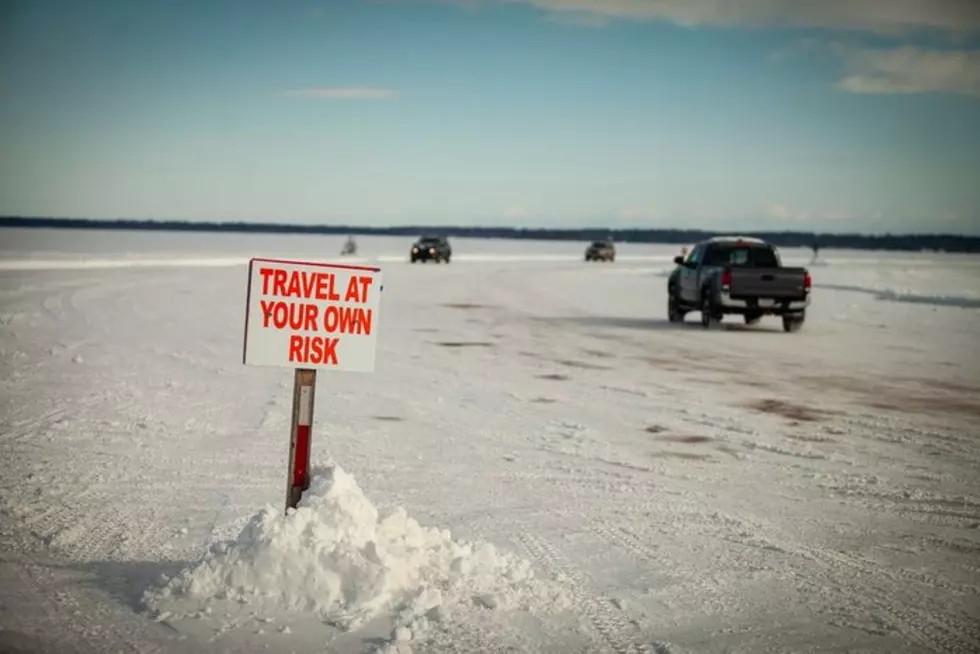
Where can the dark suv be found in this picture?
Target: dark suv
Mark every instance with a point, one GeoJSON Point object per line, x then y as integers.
{"type": "Point", "coordinates": [601, 251]}
{"type": "Point", "coordinates": [431, 248]}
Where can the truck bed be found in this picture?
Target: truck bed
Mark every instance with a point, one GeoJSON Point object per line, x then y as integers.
{"type": "Point", "coordinates": [767, 283]}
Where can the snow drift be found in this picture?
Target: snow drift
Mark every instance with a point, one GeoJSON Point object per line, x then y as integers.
{"type": "Point", "coordinates": [335, 556]}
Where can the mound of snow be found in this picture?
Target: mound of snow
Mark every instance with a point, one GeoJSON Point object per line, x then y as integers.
{"type": "Point", "coordinates": [335, 556]}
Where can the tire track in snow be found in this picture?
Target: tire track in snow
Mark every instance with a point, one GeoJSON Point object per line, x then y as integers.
{"type": "Point", "coordinates": [73, 615]}
{"type": "Point", "coordinates": [32, 426]}
{"type": "Point", "coordinates": [45, 514]}
{"type": "Point", "coordinates": [898, 430]}
{"type": "Point", "coordinates": [62, 309]}
{"type": "Point", "coordinates": [92, 529]}
{"type": "Point", "coordinates": [915, 623]}
{"type": "Point", "coordinates": [97, 536]}
{"type": "Point", "coordinates": [625, 538]}
{"type": "Point", "coordinates": [924, 627]}
{"type": "Point", "coordinates": [467, 631]}
{"type": "Point", "coordinates": [606, 618]}
{"type": "Point", "coordinates": [497, 283]}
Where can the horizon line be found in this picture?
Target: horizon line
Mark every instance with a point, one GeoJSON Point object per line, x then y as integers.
{"type": "Point", "coordinates": [500, 230]}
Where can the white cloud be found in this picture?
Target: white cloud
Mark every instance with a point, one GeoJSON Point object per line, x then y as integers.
{"type": "Point", "coordinates": [782, 213]}
{"type": "Point", "coordinates": [639, 213]}
{"type": "Point", "coordinates": [578, 18]}
{"type": "Point", "coordinates": [516, 213]}
{"type": "Point", "coordinates": [342, 93]}
{"type": "Point", "coordinates": [891, 17]}
{"type": "Point", "coordinates": [779, 212]}
{"type": "Point", "coordinates": [912, 70]}
{"type": "Point", "coordinates": [907, 69]}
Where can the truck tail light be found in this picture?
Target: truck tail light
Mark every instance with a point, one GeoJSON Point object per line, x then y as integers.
{"type": "Point", "coordinates": [726, 279]}
{"type": "Point", "coordinates": [807, 282]}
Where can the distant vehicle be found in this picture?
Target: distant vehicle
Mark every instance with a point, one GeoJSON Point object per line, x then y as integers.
{"type": "Point", "coordinates": [737, 275]}
{"type": "Point", "coordinates": [350, 247]}
{"type": "Point", "coordinates": [431, 248]}
{"type": "Point", "coordinates": [600, 251]}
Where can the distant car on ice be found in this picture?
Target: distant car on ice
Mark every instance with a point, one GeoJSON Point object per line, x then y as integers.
{"type": "Point", "coordinates": [431, 248]}
{"type": "Point", "coordinates": [737, 275]}
{"type": "Point", "coordinates": [600, 251]}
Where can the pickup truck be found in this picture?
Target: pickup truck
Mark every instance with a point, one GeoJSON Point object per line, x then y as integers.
{"type": "Point", "coordinates": [737, 275]}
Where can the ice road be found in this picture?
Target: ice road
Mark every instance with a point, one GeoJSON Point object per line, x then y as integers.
{"type": "Point", "coordinates": [540, 463]}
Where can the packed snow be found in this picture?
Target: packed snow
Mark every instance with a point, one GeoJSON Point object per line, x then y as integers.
{"type": "Point", "coordinates": [333, 555]}
{"type": "Point", "coordinates": [540, 463]}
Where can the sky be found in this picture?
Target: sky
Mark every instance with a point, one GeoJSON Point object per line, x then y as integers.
{"type": "Point", "coordinates": [832, 116]}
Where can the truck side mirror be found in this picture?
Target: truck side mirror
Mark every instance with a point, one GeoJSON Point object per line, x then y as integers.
{"type": "Point", "coordinates": [679, 260]}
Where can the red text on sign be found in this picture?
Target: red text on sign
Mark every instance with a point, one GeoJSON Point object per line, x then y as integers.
{"type": "Point", "coordinates": [357, 289]}
{"type": "Point", "coordinates": [313, 349]}
{"type": "Point", "coordinates": [299, 283]}
{"type": "Point", "coordinates": [301, 317]}
{"type": "Point", "coordinates": [347, 320]}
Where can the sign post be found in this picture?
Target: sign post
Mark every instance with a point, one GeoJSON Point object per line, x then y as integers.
{"type": "Point", "coordinates": [298, 473]}
{"type": "Point", "coordinates": [309, 316]}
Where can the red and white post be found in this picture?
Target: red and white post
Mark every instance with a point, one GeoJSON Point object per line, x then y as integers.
{"type": "Point", "coordinates": [298, 476]}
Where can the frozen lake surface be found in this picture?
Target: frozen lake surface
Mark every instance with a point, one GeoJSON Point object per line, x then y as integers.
{"type": "Point", "coordinates": [576, 474]}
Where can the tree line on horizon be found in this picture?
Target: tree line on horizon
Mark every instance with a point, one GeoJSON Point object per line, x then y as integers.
{"type": "Point", "coordinates": [903, 242]}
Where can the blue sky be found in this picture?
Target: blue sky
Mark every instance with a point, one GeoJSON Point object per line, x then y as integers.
{"type": "Point", "coordinates": [739, 114]}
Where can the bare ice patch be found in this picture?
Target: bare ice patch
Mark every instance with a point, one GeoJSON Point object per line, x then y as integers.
{"type": "Point", "coordinates": [963, 301]}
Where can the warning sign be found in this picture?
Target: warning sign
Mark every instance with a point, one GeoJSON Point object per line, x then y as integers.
{"type": "Point", "coordinates": [302, 314]}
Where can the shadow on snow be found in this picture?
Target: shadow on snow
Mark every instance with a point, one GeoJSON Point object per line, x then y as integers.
{"type": "Point", "coordinates": [661, 324]}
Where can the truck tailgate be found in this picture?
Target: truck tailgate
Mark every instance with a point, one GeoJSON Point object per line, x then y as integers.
{"type": "Point", "coordinates": [771, 283]}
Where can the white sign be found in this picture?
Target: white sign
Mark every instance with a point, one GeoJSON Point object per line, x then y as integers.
{"type": "Point", "coordinates": [302, 314]}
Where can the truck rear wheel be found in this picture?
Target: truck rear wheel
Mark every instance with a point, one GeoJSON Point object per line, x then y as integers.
{"type": "Point", "coordinates": [710, 316]}
{"type": "Point", "coordinates": [793, 321]}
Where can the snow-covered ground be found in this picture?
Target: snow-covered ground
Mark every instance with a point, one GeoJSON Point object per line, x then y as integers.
{"type": "Point", "coordinates": [540, 462]}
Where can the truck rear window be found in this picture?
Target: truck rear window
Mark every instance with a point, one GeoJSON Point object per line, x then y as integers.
{"type": "Point", "coordinates": [749, 256]}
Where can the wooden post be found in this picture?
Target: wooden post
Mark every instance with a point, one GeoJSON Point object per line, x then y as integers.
{"type": "Point", "coordinates": [298, 477]}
